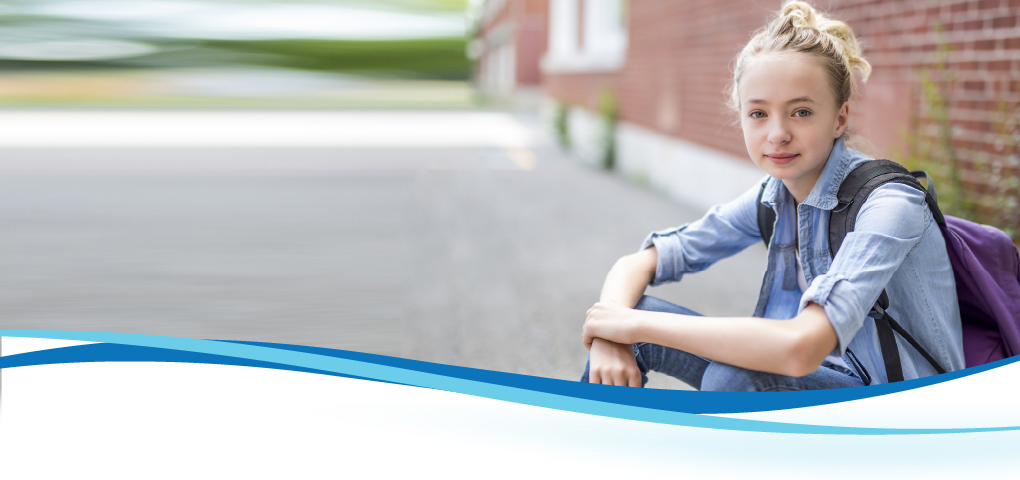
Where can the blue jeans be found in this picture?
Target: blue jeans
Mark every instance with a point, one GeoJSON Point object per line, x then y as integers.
{"type": "Point", "coordinates": [707, 375]}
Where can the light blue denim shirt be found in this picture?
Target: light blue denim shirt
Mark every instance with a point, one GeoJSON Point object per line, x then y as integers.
{"type": "Point", "coordinates": [896, 245]}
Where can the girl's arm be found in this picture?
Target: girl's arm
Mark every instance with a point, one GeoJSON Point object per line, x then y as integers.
{"type": "Point", "coordinates": [794, 347]}
{"type": "Point", "coordinates": [665, 257]}
{"type": "Point", "coordinates": [724, 231]}
{"type": "Point", "coordinates": [612, 363]}
{"type": "Point", "coordinates": [626, 281]}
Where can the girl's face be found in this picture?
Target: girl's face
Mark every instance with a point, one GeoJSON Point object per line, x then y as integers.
{"type": "Point", "coordinates": [790, 118]}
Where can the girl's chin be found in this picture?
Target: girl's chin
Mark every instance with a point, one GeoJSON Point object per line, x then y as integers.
{"type": "Point", "coordinates": [778, 171]}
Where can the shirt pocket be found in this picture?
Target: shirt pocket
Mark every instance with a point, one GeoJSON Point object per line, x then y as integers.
{"type": "Point", "coordinates": [789, 272]}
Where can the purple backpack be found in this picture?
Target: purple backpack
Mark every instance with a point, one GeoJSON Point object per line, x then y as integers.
{"type": "Point", "coordinates": [987, 270]}
{"type": "Point", "coordinates": [985, 263]}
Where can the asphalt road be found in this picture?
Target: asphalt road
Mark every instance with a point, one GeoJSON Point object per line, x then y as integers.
{"type": "Point", "coordinates": [472, 255]}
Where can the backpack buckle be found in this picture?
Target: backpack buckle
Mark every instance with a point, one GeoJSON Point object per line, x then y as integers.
{"type": "Point", "coordinates": [877, 310]}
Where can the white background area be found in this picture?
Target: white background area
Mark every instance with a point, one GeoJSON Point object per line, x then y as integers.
{"type": "Point", "coordinates": [986, 399]}
{"type": "Point", "coordinates": [167, 420]}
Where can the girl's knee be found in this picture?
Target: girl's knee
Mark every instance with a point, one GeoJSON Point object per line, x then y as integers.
{"type": "Point", "coordinates": [720, 377]}
{"type": "Point", "coordinates": [652, 304]}
{"type": "Point", "coordinates": [647, 303]}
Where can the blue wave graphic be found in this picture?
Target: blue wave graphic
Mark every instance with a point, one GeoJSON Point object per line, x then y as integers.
{"type": "Point", "coordinates": [112, 352]}
{"type": "Point", "coordinates": [658, 406]}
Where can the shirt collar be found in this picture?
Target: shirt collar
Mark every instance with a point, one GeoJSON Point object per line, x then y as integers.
{"type": "Point", "coordinates": [823, 195]}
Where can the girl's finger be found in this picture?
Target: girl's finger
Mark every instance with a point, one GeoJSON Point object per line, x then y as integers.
{"type": "Point", "coordinates": [619, 378]}
{"type": "Point", "coordinates": [588, 334]}
{"type": "Point", "coordinates": [634, 379]}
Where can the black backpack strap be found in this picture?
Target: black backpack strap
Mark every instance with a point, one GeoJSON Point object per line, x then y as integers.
{"type": "Point", "coordinates": [929, 185]}
{"type": "Point", "coordinates": [887, 341]}
{"type": "Point", "coordinates": [862, 372]}
{"type": "Point", "coordinates": [853, 192]}
{"type": "Point", "coordinates": [766, 217]}
{"type": "Point", "coordinates": [856, 189]}
{"type": "Point", "coordinates": [906, 336]}
{"type": "Point", "coordinates": [886, 325]}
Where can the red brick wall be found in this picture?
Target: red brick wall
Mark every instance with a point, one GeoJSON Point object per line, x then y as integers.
{"type": "Point", "coordinates": [531, 28]}
{"type": "Point", "coordinates": [677, 66]}
{"type": "Point", "coordinates": [984, 37]}
{"type": "Point", "coordinates": [680, 52]}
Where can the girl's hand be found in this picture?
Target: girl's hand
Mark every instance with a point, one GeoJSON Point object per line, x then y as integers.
{"type": "Point", "coordinates": [611, 322]}
{"type": "Point", "coordinates": [613, 364]}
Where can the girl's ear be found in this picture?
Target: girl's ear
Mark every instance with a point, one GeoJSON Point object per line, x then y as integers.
{"type": "Point", "coordinates": [842, 119]}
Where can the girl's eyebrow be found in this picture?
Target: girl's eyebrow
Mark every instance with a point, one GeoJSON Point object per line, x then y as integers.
{"type": "Point", "coordinates": [796, 100]}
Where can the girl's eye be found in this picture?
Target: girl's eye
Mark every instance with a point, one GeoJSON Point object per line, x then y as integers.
{"type": "Point", "coordinates": [757, 114]}
{"type": "Point", "coordinates": [802, 113]}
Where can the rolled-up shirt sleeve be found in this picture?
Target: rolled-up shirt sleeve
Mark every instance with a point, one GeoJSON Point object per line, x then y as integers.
{"type": "Point", "coordinates": [889, 225]}
{"type": "Point", "coordinates": [724, 231]}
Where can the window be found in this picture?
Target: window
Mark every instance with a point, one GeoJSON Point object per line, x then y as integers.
{"type": "Point", "coordinates": [586, 36]}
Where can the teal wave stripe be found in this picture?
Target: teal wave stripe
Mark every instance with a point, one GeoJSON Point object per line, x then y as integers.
{"type": "Point", "coordinates": [372, 371]}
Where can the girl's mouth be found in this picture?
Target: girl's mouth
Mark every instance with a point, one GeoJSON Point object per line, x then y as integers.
{"type": "Point", "coordinates": [782, 158]}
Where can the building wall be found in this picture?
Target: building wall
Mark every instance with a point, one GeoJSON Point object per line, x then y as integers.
{"type": "Point", "coordinates": [531, 25]}
{"type": "Point", "coordinates": [514, 35]}
{"type": "Point", "coordinates": [984, 37]}
{"type": "Point", "coordinates": [680, 52]}
{"type": "Point", "coordinates": [676, 68]}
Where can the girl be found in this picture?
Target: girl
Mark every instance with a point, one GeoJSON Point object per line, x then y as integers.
{"type": "Point", "coordinates": [791, 87]}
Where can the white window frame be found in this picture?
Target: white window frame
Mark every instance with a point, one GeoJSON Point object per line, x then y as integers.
{"type": "Point", "coordinates": [604, 46]}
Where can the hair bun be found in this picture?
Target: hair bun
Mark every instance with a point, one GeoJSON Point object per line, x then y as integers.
{"type": "Point", "coordinates": [801, 15]}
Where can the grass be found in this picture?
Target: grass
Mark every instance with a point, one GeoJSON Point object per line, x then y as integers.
{"type": "Point", "coordinates": [151, 88]}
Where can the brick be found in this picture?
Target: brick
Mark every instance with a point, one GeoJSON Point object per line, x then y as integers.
{"type": "Point", "coordinates": [1004, 22]}
{"type": "Point", "coordinates": [1000, 65]}
{"type": "Point", "coordinates": [988, 4]}
{"type": "Point", "coordinates": [974, 85]}
{"type": "Point", "coordinates": [1012, 44]}
{"type": "Point", "coordinates": [984, 45]}
{"type": "Point", "coordinates": [974, 25]}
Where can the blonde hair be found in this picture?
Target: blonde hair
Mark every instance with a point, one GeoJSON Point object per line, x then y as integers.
{"type": "Point", "coordinates": [800, 28]}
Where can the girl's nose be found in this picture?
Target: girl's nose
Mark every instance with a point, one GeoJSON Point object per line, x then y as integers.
{"type": "Point", "coordinates": [779, 134]}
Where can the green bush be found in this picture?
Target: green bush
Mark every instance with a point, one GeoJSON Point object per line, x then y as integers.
{"type": "Point", "coordinates": [431, 58]}
{"type": "Point", "coordinates": [995, 205]}
{"type": "Point", "coordinates": [561, 123]}
{"type": "Point", "coordinates": [608, 112]}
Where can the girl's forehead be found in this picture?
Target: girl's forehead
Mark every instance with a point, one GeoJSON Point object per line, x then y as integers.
{"type": "Point", "coordinates": [779, 78]}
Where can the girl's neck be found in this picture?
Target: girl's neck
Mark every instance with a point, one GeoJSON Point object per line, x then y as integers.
{"type": "Point", "coordinates": [800, 188]}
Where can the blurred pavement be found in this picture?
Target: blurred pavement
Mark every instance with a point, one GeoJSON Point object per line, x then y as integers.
{"type": "Point", "coordinates": [482, 246]}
